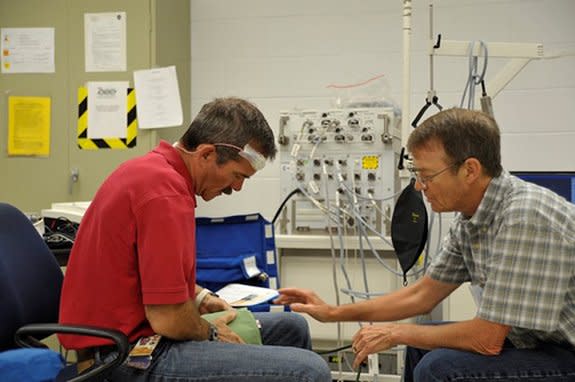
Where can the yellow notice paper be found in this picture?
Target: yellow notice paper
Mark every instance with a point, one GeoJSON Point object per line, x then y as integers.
{"type": "Point", "coordinates": [29, 126]}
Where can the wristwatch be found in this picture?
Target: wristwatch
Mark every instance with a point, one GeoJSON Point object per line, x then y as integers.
{"type": "Point", "coordinates": [212, 332]}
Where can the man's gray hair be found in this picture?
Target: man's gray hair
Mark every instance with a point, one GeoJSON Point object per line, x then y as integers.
{"type": "Point", "coordinates": [233, 121]}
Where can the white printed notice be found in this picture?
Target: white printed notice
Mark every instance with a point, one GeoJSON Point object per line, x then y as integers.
{"type": "Point", "coordinates": [158, 98]}
{"type": "Point", "coordinates": [105, 42]}
{"type": "Point", "coordinates": [107, 104]}
{"type": "Point", "coordinates": [27, 50]}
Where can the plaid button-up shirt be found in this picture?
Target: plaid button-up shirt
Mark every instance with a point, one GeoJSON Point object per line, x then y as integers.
{"type": "Point", "coordinates": [519, 247]}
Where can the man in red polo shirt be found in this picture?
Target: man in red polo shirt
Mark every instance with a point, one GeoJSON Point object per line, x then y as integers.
{"type": "Point", "coordinates": [133, 263]}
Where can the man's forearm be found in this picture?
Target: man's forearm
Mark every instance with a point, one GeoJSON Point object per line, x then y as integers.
{"type": "Point", "coordinates": [385, 308]}
{"type": "Point", "coordinates": [178, 321]}
{"type": "Point", "coordinates": [416, 299]}
{"type": "Point", "coordinates": [475, 335]}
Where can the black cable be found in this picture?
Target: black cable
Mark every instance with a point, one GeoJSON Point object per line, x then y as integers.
{"type": "Point", "coordinates": [336, 350]}
{"type": "Point", "coordinates": [59, 235]}
{"type": "Point", "coordinates": [483, 92]}
{"type": "Point", "coordinates": [61, 225]}
{"type": "Point", "coordinates": [279, 210]}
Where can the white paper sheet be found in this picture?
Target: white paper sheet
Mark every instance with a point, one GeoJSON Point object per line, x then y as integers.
{"type": "Point", "coordinates": [105, 42]}
{"type": "Point", "coordinates": [238, 295]}
{"type": "Point", "coordinates": [158, 98]}
{"type": "Point", "coordinates": [107, 105]}
{"type": "Point", "coordinates": [27, 50]}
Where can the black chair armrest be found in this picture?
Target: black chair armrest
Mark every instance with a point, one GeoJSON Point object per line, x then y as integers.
{"type": "Point", "coordinates": [24, 337]}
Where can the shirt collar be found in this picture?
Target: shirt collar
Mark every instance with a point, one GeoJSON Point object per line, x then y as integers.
{"type": "Point", "coordinates": [175, 160]}
{"type": "Point", "coordinates": [491, 201]}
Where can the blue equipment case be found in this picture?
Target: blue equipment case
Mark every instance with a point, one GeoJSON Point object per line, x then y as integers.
{"type": "Point", "coordinates": [236, 249]}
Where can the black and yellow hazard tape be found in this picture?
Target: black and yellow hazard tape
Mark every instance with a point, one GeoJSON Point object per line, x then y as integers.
{"type": "Point", "coordinates": [86, 143]}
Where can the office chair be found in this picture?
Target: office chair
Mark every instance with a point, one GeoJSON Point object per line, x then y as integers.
{"type": "Point", "coordinates": [30, 284]}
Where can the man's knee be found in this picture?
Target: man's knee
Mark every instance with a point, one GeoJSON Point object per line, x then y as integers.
{"type": "Point", "coordinates": [298, 364]}
{"type": "Point", "coordinates": [317, 368]}
{"type": "Point", "coordinates": [298, 322]}
{"type": "Point", "coordinates": [299, 329]}
{"type": "Point", "coordinates": [435, 366]}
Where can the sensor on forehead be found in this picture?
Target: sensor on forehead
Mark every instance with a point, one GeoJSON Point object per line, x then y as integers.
{"type": "Point", "coordinates": [256, 159]}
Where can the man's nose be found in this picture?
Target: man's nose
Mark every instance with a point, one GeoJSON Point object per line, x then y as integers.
{"type": "Point", "coordinates": [237, 186]}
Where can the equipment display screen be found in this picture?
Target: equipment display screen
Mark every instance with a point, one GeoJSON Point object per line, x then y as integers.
{"type": "Point", "coordinates": [562, 183]}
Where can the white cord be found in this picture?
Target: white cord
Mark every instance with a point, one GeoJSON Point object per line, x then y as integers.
{"type": "Point", "coordinates": [472, 77]}
{"type": "Point", "coordinates": [333, 261]}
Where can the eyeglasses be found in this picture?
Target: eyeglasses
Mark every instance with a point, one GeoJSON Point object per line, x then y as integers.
{"type": "Point", "coordinates": [424, 180]}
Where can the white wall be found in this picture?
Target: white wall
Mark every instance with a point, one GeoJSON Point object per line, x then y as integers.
{"type": "Point", "coordinates": [283, 54]}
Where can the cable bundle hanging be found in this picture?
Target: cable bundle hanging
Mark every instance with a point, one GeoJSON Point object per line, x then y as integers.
{"type": "Point", "coordinates": [473, 78]}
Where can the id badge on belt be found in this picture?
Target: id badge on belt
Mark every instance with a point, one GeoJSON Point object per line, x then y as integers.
{"type": "Point", "coordinates": [140, 356]}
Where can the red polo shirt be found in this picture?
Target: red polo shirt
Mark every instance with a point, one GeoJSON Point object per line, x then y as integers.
{"type": "Point", "coordinates": [135, 246]}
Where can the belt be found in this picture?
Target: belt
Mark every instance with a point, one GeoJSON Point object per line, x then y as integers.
{"type": "Point", "coordinates": [90, 353]}
{"type": "Point", "coordinates": [86, 357]}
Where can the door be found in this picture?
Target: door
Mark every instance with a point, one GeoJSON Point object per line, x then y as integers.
{"type": "Point", "coordinates": [157, 35]}
{"type": "Point", "coordinates": [29, 183]}
{"type": "Point", "coordinates": [93, 166]}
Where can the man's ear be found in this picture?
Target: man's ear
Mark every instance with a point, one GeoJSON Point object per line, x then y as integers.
{"type": "Point", "coordinates": [205, 150]}
{"type": "Point", "coordinates": [473, 169]}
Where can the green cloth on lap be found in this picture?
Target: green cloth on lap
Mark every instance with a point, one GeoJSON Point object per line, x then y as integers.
{"type": "Point", "coordinates": [244, 325]}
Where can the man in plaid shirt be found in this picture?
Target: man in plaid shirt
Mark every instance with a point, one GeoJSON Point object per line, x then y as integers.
{"type": "Point", "coordinates": [514, 241]}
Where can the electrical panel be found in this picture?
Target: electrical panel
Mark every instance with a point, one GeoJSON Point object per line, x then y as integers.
{"type": "Point", "coordinates": [344, 162]}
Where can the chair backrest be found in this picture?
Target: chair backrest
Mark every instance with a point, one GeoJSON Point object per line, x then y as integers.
{"type": "Point", "coordinates": [236, 249]}
{"type": "Point", "coordinates": [30, 277]}
{"type": "Point", "coordinates": [224, 245]}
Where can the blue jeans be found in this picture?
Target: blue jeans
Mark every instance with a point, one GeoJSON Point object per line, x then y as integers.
{"type": "Point", "coordinates": [549, 363]}
{"type": "Point", "coordinates": [285, 358]}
